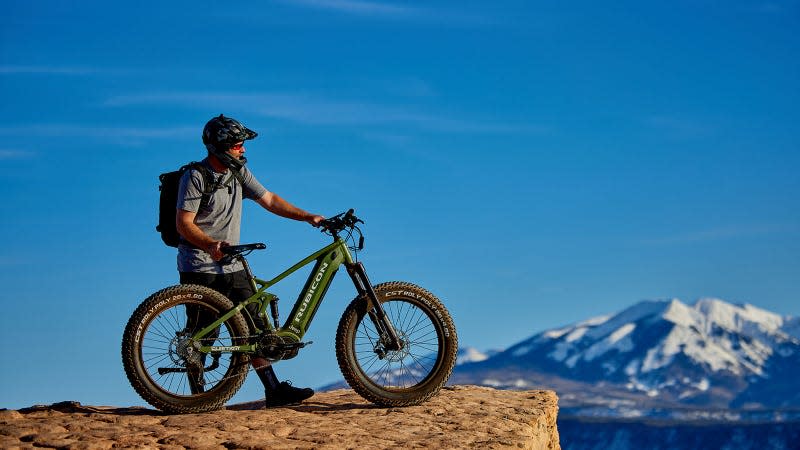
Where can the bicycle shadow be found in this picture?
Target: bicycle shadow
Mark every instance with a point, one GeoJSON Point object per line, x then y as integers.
{"type": "Point", "coordinates": [331, 407]}
{"type": "Point", "coordinates": [73, 407]}
{"type": "Point", "coordinates": [308, 406]}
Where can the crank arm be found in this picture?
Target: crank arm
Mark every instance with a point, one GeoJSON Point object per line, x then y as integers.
{"type": "Point", "coordinates": [296, 345]}
{"type": "Point", "coordinates": [166, 370]}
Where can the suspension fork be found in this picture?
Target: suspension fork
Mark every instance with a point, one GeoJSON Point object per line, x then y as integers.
{"type": "Point", "coordinates": [382, 324]}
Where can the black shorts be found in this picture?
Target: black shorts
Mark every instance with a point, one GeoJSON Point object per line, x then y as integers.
{"type": "Point", "coordinates": [235, 286]}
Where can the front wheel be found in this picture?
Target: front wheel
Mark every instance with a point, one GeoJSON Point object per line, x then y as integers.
{"type": "Point", "coordinates": [415, 372]}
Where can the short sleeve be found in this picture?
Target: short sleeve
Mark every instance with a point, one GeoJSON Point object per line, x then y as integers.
{"type": "Point", "coordinates": [251, 189]}
{"type": "Point", "coordinates": [190, 191]}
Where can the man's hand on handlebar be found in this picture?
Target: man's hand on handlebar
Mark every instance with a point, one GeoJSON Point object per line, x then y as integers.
{"type": "Point", "coordinates": [315, 219]}
{"type": "Point", "coordinates": [339, 222]}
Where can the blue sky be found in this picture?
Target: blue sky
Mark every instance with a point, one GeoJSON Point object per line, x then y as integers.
{"type": "Point", "coordinates": [532, 163]}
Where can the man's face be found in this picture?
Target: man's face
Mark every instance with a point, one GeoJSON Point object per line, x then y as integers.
{"type": "Point", "coordinates": [237, 150]}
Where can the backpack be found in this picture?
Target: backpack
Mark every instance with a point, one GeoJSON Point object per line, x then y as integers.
{"type": "Point", "coordinates": [168, 201]}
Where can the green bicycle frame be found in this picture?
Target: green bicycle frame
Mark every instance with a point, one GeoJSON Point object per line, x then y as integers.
{"type": "Point", "coordinates": [328, 260]}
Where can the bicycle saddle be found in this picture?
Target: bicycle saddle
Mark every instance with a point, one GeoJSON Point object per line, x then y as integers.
{"type": "Point", "coordinates": [234, 250]}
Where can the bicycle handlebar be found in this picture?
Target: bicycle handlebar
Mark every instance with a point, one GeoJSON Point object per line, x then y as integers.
{"type": "Point", "coordinates": [340, 221]}
{"type": "Point", "coordinates": [332, 225]}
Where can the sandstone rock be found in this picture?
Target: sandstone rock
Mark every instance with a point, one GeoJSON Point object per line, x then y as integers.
{"type": "Point", "coordinates": [459, 417]}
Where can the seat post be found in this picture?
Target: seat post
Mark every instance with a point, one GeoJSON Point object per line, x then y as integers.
{"type": "Point", "coordinates": [247, 270]}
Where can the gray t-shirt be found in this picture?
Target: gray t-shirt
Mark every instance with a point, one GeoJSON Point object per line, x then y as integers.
{"type": "Point", "coordinates": [220, 219]}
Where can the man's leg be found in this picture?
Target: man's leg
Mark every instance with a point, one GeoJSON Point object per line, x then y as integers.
{"type": "Point", "coordinates": [196, 319]}
{"type": "Point", "coordinates": [275, 392]}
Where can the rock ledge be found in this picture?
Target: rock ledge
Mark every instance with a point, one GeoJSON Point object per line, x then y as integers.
{"type": "Point", "coordinates": [459, 417]}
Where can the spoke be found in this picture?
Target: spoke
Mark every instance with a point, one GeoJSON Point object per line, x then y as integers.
{"type": "Point", "coordinates": [408, 309]}
{"type": "Point", "coordinates": [385, 370]}
{"type": "Point", "coordinates": [424, 337]}
{"type": "Point", "coordinates": [168, 385]}
{"type": "Point", "coordinates": [157, 329]}
{"type": "Point", "coordinates": [414, 324]}
{"type": "Point", "coordinates": [370, 361]}
{"type": "Point", "coordinates": [157, 341]}
{"type": "Point", "coordinates": [172, 322]}
{"type": "Point", "coordinates": [179, 317]}
{"type": "Point", "coordinates": [365, 352]}
{"type": "Point", "coordinates": [367, 334]}
{"type": "Point", "coordinates": [420, 364]}
{"type": "Point", "coordinates": [182, 384]}
{"type": "Point", "coordinates": [158, 358]}
{"type": "Point", "coordinates": [411, 313]}
{"type": "Point", "coordinates": [411, 373]}
{"type": "Point", "coordinates": [430, 349]}
{"type": "Point", "coordinates": [419, 321]}
{"type": "Point", "coordinates": [157, 362]}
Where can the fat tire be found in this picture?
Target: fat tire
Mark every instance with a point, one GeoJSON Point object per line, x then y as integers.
{"type": "Point", "coordinates": [133, 361]}
{"type": "Point", "coordinates": [362, 382]}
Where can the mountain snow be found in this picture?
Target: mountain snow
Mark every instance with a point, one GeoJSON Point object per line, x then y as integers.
{"type": "Point", "coordinates": [666, 347]}
{"type": "Point", "coordinates": [471, 355]}
{"type": "Point", "coordinates": [715, 334]}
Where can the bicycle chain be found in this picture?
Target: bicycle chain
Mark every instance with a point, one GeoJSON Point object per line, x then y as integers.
{"type": "Point", "coordinates": [231, 338]}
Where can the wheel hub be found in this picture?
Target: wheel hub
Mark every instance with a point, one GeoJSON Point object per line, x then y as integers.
{"type": "Point", "coordinates": [182, 350]}
{"type": "Point", "coordinates": [405, 349]}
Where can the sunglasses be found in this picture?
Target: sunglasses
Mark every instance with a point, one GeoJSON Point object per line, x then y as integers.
{"type": "Point", "coordinates": [237, 146]}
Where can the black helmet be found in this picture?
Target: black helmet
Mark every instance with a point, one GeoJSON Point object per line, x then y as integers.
{"type": "Point", "coordinates": [222, 132]}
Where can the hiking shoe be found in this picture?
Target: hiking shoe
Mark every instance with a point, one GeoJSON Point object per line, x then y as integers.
{"type": "Point", "coordinates": [286, 394]}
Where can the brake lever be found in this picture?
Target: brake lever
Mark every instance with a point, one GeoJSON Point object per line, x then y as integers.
{"type": "Point", "coordinates": [360, 238]}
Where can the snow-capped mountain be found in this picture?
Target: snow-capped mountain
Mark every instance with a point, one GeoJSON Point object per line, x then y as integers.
{"type": "Point", "coordinates": [471, 355]}
{"type": "Point", "coordinates": [710, 353]}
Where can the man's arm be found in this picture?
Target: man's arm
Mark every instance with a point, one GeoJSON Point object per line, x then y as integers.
{"type": "Point", "coordinates": [275, 204]}
{"type": "Point", "coordinates": [184, 222]}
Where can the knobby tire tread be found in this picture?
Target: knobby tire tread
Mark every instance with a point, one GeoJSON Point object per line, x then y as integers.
{"type": "Point", "coordinates": [415, 395]}
{"type": "Point", "coordinates": [136, 373]}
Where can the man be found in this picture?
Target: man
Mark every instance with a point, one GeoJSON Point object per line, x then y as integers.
{"type": "Point", "coordinates": [204, 231]}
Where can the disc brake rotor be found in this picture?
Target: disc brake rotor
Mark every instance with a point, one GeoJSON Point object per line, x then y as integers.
{"type": "Point", "coordinates": [399, 355]}
{"type": "Point", "coordinates": [182, 351]}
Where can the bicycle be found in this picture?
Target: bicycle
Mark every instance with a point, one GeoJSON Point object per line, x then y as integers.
{"type": "Point", "coordinates": [396, 343]}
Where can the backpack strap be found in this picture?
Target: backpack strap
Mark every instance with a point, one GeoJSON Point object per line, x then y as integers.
{"type": "Point", "coordinates": [238, 176]}
{"type": "Point", "coordinates": [208, 182]}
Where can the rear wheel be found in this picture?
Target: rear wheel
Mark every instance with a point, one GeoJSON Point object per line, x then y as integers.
{"type": "Point", "coordinates": [420, 368]}
{"type": "Point", "coordinates": [164, 364]}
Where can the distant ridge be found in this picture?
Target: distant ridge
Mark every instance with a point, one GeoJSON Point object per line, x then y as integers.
{"type": "Point", "coordinates": [657, 354]}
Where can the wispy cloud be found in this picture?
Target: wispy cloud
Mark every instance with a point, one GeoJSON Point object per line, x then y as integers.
{"type": "Point", "coordinates": [394, 11]}
{"type": "Point", "coordinates": [681, 128]}
{"type": "Point", "coordinates": [358, 7]}
{"type": "Point", "coordinates": [722, 233]}
{"type": "Point", "coordinates": [45, 70]}
{"type": "Point", "coordinates": [98, 132]}
{"type": "Point", "coordinates": [10, 154]}
{"type": "Point", "coordinates": [770, 7]}
{"type": "Point", "coordinates": [317, 111]}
